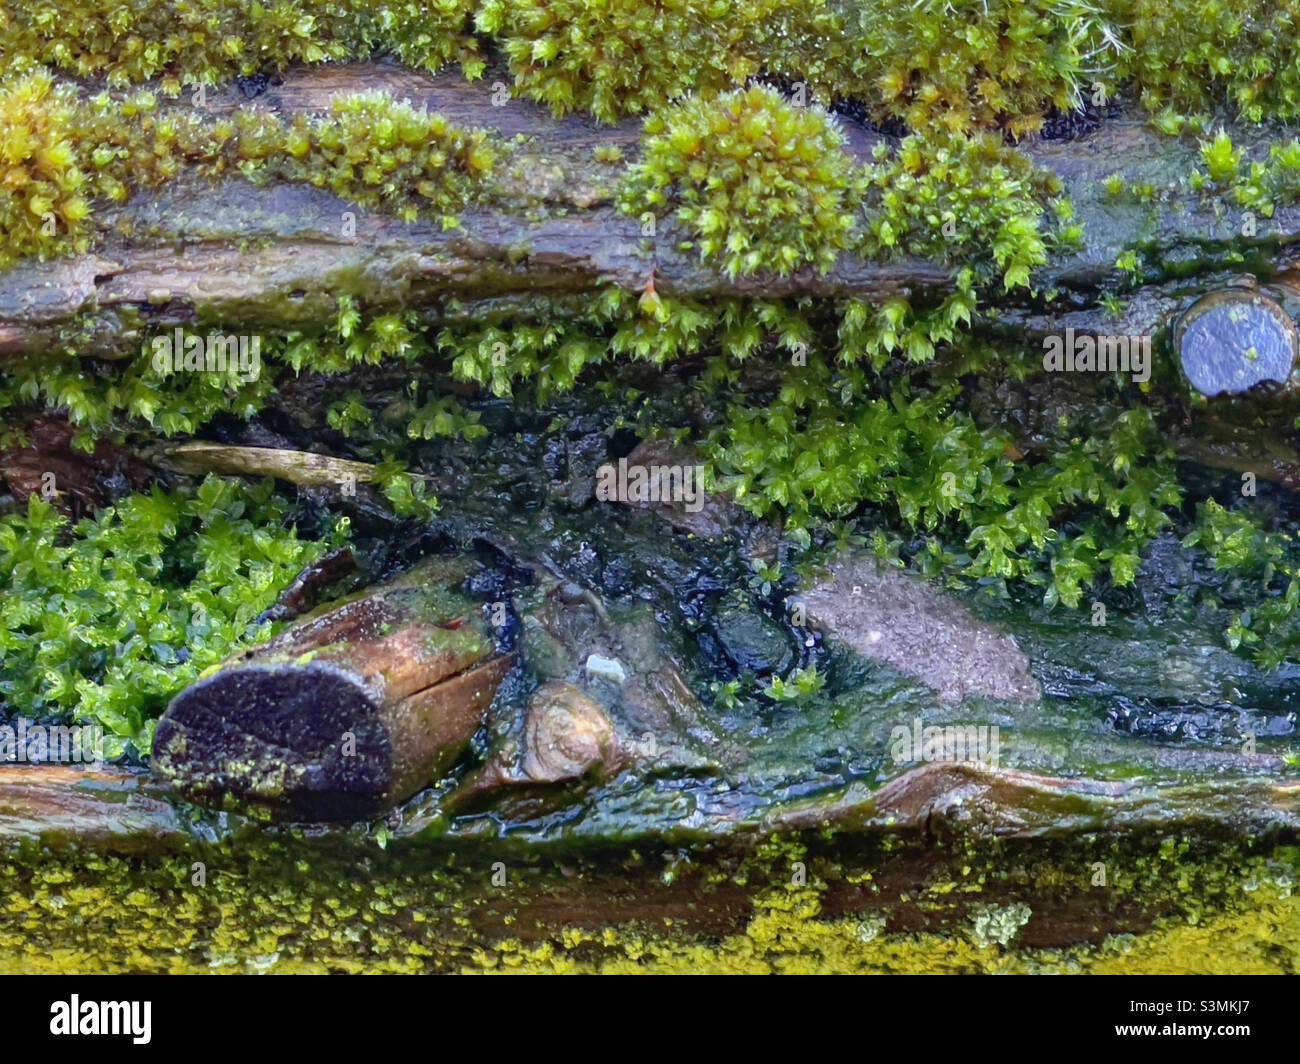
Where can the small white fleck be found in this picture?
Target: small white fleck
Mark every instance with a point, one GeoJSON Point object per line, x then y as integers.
{"type": "Point", "coordinates": [602, 668]}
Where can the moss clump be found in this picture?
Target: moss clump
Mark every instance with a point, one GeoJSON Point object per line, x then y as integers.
{"type": "Point", "coordinates": [1271, 183]}
{"type": "Point", "coordinates": [1193, 57]}
{"type": "Point", "coordinates": [963, 199]}
{"type": "Point", "coordinates": [43, 205]}
{"type": "Point", "coordinates": [63, 156]}
{"type": "Point", "coordinates": [1262, 184]}
{"type": "Point", "coordinates": [825, 447]}
{"type": "Point", "coordinates": [1265, 565]}
{"type": "Point", "coordinates": [964, 65]}
{"type": "Point", "coordinates": [1222, 161]}
{"type": "Point", "coordinates": [762, 185]}
{"type": "Point", "coordinates": [618, 57]}
{"type": "Point", "coordinates": [425, 34]}
{"type": "Point", "coordinates": [101, 398]}
{"type": "Point", "coordinates": [382, 154]}
{"type": "Point", "coordinates": [107, 620]}
{"type": "Point", "coordinates": [210, 41]}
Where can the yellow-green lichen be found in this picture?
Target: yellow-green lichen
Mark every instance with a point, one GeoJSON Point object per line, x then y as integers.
{"type": "Point", "coordinates": [280, 904]}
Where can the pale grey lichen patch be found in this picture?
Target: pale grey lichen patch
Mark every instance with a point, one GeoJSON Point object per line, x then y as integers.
{"type": "Point", "coordinates": [897, 618]}
{"type": "Point", "coordinates": [999, 925]}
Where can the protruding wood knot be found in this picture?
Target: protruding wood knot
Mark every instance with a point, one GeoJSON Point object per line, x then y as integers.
{"type": "Point", "coordinates": [1234, 340]}
{"type": "Point", "coordinates": [567, 736]}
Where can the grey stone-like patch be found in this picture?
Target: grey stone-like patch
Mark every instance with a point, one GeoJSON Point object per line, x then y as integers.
{"type": "Point", "coordinates": [898, 618]}
{"type": "Point", "coordinates": [1230, 341]}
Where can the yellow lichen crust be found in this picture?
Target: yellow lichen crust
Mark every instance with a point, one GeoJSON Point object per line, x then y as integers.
{"type": "Point", "coordinates": [787, 938]}
{"type": "Point", "coordinates": [287, 904]}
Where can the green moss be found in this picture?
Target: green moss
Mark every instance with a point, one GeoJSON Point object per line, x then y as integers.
{"type": "Point", "coordinates": [968, 200]}
{"type": "Point", "coordinates": [1266, 588]}
{"type": "Point", "coordinates": [800, 686]}
{"type": "Point", "coordinates": [107, 620]}
{"type": "Point", "coordinates": [1194, 57]}
{"type": "Point", "coordinates": [1222, 160]}
{"type": "Point", "coordinates": [938, 65]}
{"type": "Point", "coordinates": [64, 156]}
{"type": "Point", "coordinates": [385, 155]}
{"type": "Point", "coordinates": [211, 41]}
{"type": "Point", "coordinates": [43, 204]}
{"type": "Point", "coordinates": [135, 397]}
{"type": "Point", "coordinates": [425, 34]}
{"type": "Point", "coordinates": [965, 65]}
{"type": "Point", "coordinates": [618, 57]}
{"type": "Point", "coordinates": [825, 447]}
{"type": "Point", "coordinates": [445, 417]}
{"type": "Point", "coordinates": [408, 494]}
{"type": "Point", "coordinates": [760, 184]}
{"type": "Point", "coordinates": [1273, 182]}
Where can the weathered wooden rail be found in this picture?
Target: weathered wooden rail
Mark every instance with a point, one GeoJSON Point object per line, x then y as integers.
{"type": "Point", "coordinates": [279, 256]}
